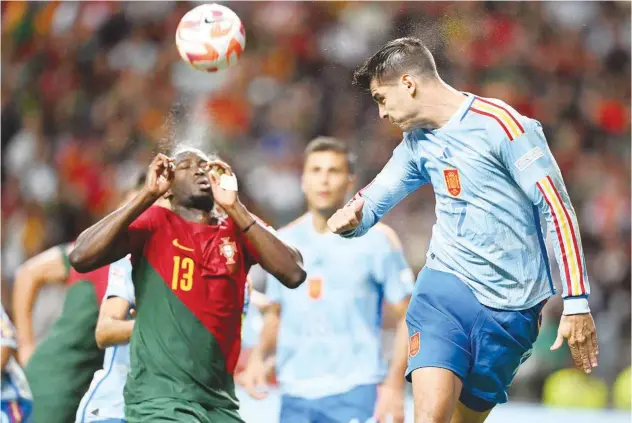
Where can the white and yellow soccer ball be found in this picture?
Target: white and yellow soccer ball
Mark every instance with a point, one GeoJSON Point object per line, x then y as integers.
{"type": "Point", "coordinates": [211, 37]}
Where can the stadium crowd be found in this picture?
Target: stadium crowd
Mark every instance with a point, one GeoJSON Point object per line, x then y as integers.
{"type": "Point", "coordinates": [91, 90]}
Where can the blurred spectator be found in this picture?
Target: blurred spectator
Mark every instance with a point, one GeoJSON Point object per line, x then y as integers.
{"type": "Point", "coordinates": [91, 90]}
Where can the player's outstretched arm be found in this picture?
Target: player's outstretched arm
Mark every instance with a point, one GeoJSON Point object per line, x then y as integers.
{"type": "Point", "coordinates": [113, 327]}
{"type": "Point", "coordinates": [47, 267]}
{"type": "Point", "coordinates": [110, 239]}
{"type": "Point", "coordinates": [532, 166]}
{"type": "Point", "coordinates": [275, 257]}
{"type": "Point", "coordinates": [399, 178]}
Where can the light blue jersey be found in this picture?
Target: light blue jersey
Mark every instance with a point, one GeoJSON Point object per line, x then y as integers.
{"type": "Point", "coordinates": [104, 398]}
{"type": "Point", "coordinates": [494, 178]}
{"type": "Point", "coordinates": [15, 388]}
{"type": "Point", "coordinates": [329, 338]}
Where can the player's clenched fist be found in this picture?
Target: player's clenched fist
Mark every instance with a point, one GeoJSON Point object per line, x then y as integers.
{"type": "Point", "coordinates": [159, 175]}
{"type": "Point", "coordinates": [347, 218]}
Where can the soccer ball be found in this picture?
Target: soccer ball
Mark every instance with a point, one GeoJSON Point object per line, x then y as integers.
{"type": "Point", "coordinates": [211, 37]}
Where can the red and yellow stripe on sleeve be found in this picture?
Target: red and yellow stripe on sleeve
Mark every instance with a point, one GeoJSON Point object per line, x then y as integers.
{"type": "Point", "coordinates": [566, 235]}
{"type": "Point", "coordinates": [500, 114]}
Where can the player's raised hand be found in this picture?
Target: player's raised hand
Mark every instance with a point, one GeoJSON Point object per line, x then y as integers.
{"type": "Point", "coordinates": [579, 330]}
{"type": "Point", "coordinates": [223, 183]}
{"type": "Point", "coordinates": [160, 175]}
{"type": "Point", "coordinates": [347, 218]}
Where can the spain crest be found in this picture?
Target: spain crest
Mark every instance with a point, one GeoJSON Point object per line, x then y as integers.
{"type": "Point", "coordinates": [228, 250]}
{"type": "Point", "coordinates": [452, 181]}
{"type": "Point", "coordinates": [315, 287]}
{"type": "Point", "coordinates": [413, 344]}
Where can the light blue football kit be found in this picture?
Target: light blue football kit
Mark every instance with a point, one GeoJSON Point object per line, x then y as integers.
{"type": "Point", "coordinates": [476, 304]}
{"type": "Point", "coordinates": [329, 352]}
{"type": "Point", "coordinates": [103, 402]}
{"type": "Point", "coordinates": [15, 400]}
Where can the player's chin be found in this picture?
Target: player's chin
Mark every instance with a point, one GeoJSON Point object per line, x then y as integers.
{"type": "Point", "coordinates": [202, 200]}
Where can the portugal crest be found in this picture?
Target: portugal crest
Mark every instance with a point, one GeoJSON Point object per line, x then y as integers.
{"type": "Point", "coordinates": [228, 250]}
{"type": "Point", "coordinates": [452, 181]}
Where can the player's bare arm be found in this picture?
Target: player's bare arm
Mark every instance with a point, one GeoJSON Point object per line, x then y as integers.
{"type": "Point", "coordinates": [108, 240]}
{"type": "Point", "coordinates": [112, 326]}
{"type": "Point", "coordinates": [254, 376]}
{"type": "Point", "coordinates": [7, 352]}
{"type": "Point", "coordinates": [47, 267]}
{"type": "Point", "coordinates": [390, 401]}
{"type": "Point", "coordinates": [275, 257]}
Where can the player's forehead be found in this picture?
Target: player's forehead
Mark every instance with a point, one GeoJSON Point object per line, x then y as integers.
{"type": "Point", "coordinates": [190, 154]}
{"type": "Point", "coordinates": [324, 158]}
{"type": "Point", "coordinates": [377, 88]}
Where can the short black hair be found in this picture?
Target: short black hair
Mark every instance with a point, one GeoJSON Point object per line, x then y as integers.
{"type": "Point", "coordinates": [397, 56]}
{"type": "Point", "coordinates": [332, 144]}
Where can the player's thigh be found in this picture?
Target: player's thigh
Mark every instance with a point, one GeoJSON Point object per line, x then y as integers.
{"type": "Point", "coordinates": [356, 405]}
{"type": "Point", "coordinates": [295, 410]}
{"type": "Point", "coordinates": [435, 394]}
{"type": "Point", "coordinates": [502, 341]}
{"type": "Point", "coordinates": [462, 414]}
{"type": "Point", "coordinates": [440, 316]}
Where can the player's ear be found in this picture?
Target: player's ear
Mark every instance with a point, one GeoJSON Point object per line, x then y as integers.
{"type": "Point", "coordinates": [409, 84]}
{"type": "Point", "coordinates": [351, 183]}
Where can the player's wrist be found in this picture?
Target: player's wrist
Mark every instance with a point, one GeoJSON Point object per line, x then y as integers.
{"type": "Point", "coordinates": [575, 305]}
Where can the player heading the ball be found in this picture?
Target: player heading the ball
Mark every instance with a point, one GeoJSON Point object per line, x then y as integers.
{"type": "Point", "coordinates": [474, 314]}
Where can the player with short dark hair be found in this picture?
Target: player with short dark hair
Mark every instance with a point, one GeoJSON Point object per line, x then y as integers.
{"type": "Point", "coordinates": [329, 363]}
{"type": "Point", "coordinates": [190, 268]}
{"type": "Point", "coordinates": [474, 315]}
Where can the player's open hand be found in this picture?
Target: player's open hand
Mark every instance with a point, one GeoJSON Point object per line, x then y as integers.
{"type": "Point", "coordinates": [347, 218]}
{"type": "Point", "coordinates": [579, 330]}
{"type": "Point", "coordinates": [253, 378]}
{"type": "Point", "coordinates": [389, 407]}
{"type": "Point", "coordinates": [159, 175]}
{"type": "Point", "coordinates": [223, 183]}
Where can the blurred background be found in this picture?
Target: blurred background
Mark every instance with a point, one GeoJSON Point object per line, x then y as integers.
{"type": "Point", "coordinates": [92, 90]}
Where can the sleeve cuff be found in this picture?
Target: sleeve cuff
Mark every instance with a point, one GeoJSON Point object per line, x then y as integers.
{"type": "Point", "coordinates": [575, 305]}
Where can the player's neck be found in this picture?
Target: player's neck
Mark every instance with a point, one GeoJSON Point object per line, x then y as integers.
{"type": "Point", "coordinates": [194, 215]}
{"type": "Point", "coordinates": [319, 221]}
{"type": "Point", "coordinates": [439, 104]}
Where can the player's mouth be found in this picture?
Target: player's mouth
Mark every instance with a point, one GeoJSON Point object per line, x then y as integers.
{"type": "Point", "coordinates": [204, 184]}
{"type": "Point", "coordinates": [324, 194]}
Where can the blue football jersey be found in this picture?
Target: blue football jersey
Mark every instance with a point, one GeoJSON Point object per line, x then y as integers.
{"type": "Point", "coordinates": [329, 338]}
{"type": "Point", "coordinates": [498, 189]}
{"type": "Point", "coordinates": [14, 384]}
{"type": "Point", "coordinates": [104, 398]}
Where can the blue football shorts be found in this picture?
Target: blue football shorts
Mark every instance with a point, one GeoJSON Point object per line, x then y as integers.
{"type": "Point", "coordinates": [357, 405]}
{"type": "Point", "coordinates": [450, 329]}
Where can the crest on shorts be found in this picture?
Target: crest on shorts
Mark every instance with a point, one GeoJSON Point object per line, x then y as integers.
{"type": "Point", "coordinates": [413, 344]}
{"type": "Point", "coordinates": [315, 287]}
{"type": "Point", "coordinates": [452, 181]}
{"type": "Point", "coordinates": [228, 250]}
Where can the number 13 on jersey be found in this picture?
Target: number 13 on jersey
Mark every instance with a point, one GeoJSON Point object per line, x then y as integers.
{"type": "Point", "coordinates": [182, 278]}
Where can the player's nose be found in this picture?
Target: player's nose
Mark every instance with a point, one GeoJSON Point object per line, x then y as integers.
{"type": "Point", "coordinates": [383, 114]}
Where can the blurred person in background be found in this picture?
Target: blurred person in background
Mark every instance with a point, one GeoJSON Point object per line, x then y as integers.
{"type": "Point", "coordinates": [15, 400]}
{"type": "Point", "coordinates": [327, 334]}
{"type": "Point", "coordinates": [475, 312]}
{"type": "Point", "coordinates": [60, 367]}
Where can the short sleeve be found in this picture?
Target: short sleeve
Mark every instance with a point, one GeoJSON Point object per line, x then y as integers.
{"type": "Point", "coordinates": [7, 332]}
{"type": "Point", "coordinates": [120, 280]}
{"type": "Point", "coordinates": [391, 269]}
